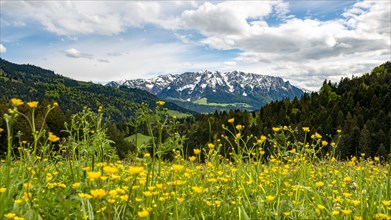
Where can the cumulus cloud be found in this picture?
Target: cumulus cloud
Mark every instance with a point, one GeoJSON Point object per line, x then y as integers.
{"type": "Point", "coordinates": [74, 53]}
{"type": "Point", "coordinates": [72, 18]}
{"type": "Point", "coordinates": [2, 49]}
{"type": "Point", "coordinates": [360, 38]}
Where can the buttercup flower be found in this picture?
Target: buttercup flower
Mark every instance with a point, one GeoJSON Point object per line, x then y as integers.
{"type": "Point", "coordinates": [33, 104]}
{"type": "Point", "coordinates": [17, 102]}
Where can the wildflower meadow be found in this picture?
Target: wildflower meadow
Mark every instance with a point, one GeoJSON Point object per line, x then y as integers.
{"type": "Point", "coordinates": [277, 176]}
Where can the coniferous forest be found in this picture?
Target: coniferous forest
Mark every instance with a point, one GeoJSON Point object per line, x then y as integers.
{"type": "Point", "coordinates": [359, 107]}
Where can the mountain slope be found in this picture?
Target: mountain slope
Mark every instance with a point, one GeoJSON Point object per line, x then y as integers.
{"type": "Point", "coordinates": [207, 91]}
{"type": "Point", "coordinates": [29, 82]}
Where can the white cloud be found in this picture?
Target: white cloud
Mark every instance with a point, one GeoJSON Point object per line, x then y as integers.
{"type": "Point", "coordinates": [2, 49]}
{"type": "Point", "coordinates": [74, 53]}
{"type": "Point", "coordinates": [301, 50]}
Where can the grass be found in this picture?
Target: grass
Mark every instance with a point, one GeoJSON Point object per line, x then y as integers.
{"type": "Point", "coordinates": [278, 177]}
{"type": "Point", "coordinates": [204, 101]}
{"type": "Point", "coordinates": [178, 114]}
{"type": "Point", "coordinates": [141, 139]}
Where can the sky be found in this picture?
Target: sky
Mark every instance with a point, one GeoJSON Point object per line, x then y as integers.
{"type": "Point", "coordinates": [304, 42]}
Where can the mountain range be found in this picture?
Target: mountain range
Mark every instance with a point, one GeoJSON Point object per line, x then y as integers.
{"type": "Point", "coordinates": [207, 91]}
{"type": "Point", "coordinates": [32, 83]}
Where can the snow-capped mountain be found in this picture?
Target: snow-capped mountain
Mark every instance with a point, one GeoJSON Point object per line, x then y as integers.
{"type": "Point", "coordinates": [216, 90]}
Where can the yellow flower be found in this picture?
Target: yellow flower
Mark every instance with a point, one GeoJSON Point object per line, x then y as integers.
{"type": "Point", "coordinates": [325, 143]}
{"type": "Point", "coordinates": [180, 199]}
{"type": "Point", "coordinates": [275, 129]}
{"type": "Point", "coordinates": [177, 167]}
{"type": "Point", "coordinates": [143, 214]}
{"type": "Point", "coordinates": [110, 169]}
{"type": "Point", "coordinates": [339, 131]}
{"type": "Point", "coordinates": [335, 212]}
{"type": "Point", "coordinates": [124, 198]}
{"type": "Point", "coordinates": [18, 201]}
{"type": "Point", "coordinates": [18, 218]}
{"type": "Point", "coordinates": [270, 198]}
{"type": "Point", "coordinates": [321, 207]}
{"type": "Point", "coordinates": [1, 130]}
{"type": "Point", "coordinates": [100, 109]}
{"type": "Point", "coordinates": [306, 129]}
{"type": "Point", "coordinates": [261, 139]}
{"type": "Point", "coordinates": [98, 193]}
{"type": "Point", "coordinates": [94, 175]}
{"type": "Point", "coordinates": [3, 189]}
{"type": "Point", "coordinates": [211, 146]}
{"type": "Point", "coordinates": [53, 138]}
{"type": "Point", "coordinates": [10, 215]}
{"type": "Point", "coordinates": [285, 128]}
{"type": "Point", "coordinates": [17, 102]}
{"type": "Point", "coordinates": [376, 159]}
{"type": "Point", "coordinates": [238, 135]}
{"type": "Point", "coordinates": [197, 189]}
{"type": "Point", "coordinates": [32, 104]}
{"type": "Point", "coordinates": [386, 202]}
{"type": "Point", "coordinates": [319, 184]}
{"type": "Point", "coordinates": [135, 170]}
{"type": "Point", "coordinates": [346, 211]}
{"type": "Point", "coordinates": [197, 151]}
{"type": "Point", "coordinates": [239, 127]}
{"type": "Point", "coordinates": [160, 103]}
{"type": "Point", "coordinates": [27, 185]}
{"type": "Point", "coordinates": [231, 120]}
{"type": "Point", "coordinates": [76, 185]}
{"type": "Point", "coordinates": [192, 158]}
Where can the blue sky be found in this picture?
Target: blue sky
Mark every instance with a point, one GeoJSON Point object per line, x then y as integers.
{"type": "Point", "coordinates": [304, 42]}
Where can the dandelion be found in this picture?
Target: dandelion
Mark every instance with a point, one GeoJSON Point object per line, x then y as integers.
{"type": "Point", "coordinates": [16, 102]}
{"type": "Point", "coordinates": [143, 214]}
{"type": "Point", "coordinates": [2, 189]}
{"type": "Point", "coordinates": [231, 120]}
{"type": "Point", "coordinates": [160, 103]}
{"type": "Point", "coordinates": [306, 129]}
{"type": "Point", "coordinates": [53, 138]}
{"type": "Point", "coordinates": [135, 170]}
{"type": "Point", "coordinates": [32, 104]}
{"type": "Point", "coordinates": [94, 175]}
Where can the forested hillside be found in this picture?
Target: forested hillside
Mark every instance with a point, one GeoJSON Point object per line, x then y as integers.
{"type": "Point", "coordinates": [32, 83]}
{"type": "Point", "coordinates": [360, 107]}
